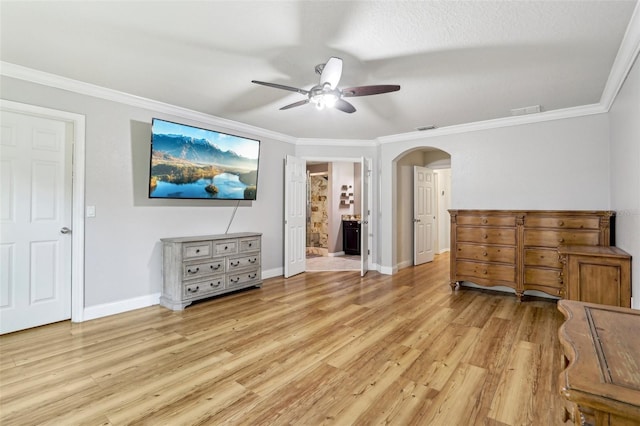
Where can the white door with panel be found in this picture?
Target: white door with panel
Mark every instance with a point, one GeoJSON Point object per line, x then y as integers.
{"type": "Point", "coordinates": [364, 214]}
{"type": "Point", "coordinates": [423, 215]}
{"type": "Point", "coordinates": [295, 220]}
{"type": "Point", "coordinates": [35, 209]}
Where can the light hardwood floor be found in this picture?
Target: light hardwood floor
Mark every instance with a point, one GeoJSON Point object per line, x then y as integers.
{"type": "Point", "coordinates": [318, 348]}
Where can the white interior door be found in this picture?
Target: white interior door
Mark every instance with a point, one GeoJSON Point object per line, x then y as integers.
{"type": "Point", "coordinates": [35, 209]}
{"type": "Point", "coordinates": [365, 215]}
{"type": "Point", "coordinates": [295, 226]}
{"type": "Point", "coordinates": [423, 215]}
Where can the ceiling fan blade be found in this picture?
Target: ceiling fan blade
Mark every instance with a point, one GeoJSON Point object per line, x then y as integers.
{"type": "Point", "coordinates": [295, 104]}
{"type": "Point", "coordinates": [283, 87]}
{"type": "Point", "coordinates": [331, 72]}
{"type": "Point", "coordinates": [369, 90]}
{"type": "Point", "coordinates": [344, 106]}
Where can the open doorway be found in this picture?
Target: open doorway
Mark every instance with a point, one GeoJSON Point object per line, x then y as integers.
{"type": "Point", "coordinates": [334, 218]}
{"type": "Point", "coordinates": [439, 163]}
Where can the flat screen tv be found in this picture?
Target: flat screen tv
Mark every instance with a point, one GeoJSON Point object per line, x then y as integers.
{"type": "Point", "coordinates": [192, 163]}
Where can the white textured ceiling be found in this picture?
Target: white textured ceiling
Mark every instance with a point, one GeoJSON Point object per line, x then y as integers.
{"type": "Point", "coordinates": [456, 62]}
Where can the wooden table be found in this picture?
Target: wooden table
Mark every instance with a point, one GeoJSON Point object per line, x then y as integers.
{"type": "Point", "coordinates": [601, 379]}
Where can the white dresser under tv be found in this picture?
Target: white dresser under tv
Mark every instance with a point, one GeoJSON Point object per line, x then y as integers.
{"type": "Point", "coordinates": [199, 267]}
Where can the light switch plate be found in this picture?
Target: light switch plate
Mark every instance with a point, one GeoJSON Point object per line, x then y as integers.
{"type": "Point", "coordinates": [91, 211]}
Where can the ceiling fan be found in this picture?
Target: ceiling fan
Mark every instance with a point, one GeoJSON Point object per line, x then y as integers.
{"type": "Point", "coordinates": [326, 93]}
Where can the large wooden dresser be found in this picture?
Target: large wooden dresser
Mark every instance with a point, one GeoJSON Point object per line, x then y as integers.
{"type": "Point", "coordinates": [519, 248]}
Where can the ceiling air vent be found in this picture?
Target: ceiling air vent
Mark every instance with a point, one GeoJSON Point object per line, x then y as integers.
{"type": "Point", "coordinates": [423, 128]}
{"type": "Point", "coordinates": [526, 110]}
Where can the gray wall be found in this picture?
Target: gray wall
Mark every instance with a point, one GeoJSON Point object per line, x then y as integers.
{"type": "Point", "coordinates": [122, 247]}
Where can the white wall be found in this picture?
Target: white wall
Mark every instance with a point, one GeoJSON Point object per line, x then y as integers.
{"type": "Point", "coordinates": [560, 164]}
{"type": "Point", "coordinates": [624, 126]}
{"type": "Point", "coordinates": [122, 243]}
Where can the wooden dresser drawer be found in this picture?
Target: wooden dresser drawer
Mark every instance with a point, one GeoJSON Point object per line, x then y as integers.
{"type": "Point", "coordinates": [563, 222]}
{"type": "Point", "coordinates": [239, 262]}
{"type": "Point", "coordinates": [543, 276]}
{"type": "Point", "coordinates": [487, 271]}
{"type": "Point", "coordinates": [242, 278]}
{"type": "Point", "coordinates": [504, 236]}
{"type": "Point", "coordinates": [196, 250]}
{"type": "Point", "coordinates": [225, 247]}
{"type": "Point", "coordinates": [486, 220]}
{"type": "Point", "coordinates": [542, 257]}
{"type": "Point", "coordinates": [193, 270]}
{"type": "Point", "coordinates": [549, 238]}
{"type": "Point", "coordinates": [201, 288]}
{"type": "Point", "coordinates": [486, 253]}
{"type": "Point", "coordinates": [250, 244]}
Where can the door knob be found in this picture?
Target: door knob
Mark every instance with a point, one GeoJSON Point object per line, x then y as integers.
{"type": "Point", "coordinates": [65, 230]}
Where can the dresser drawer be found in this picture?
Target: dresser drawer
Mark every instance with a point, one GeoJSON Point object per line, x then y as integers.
{"type": "Point", "coordinates": [242, 279]}
{"type": "Point", "coordinates": [504, 236]}
{"type": "Point", "coordinates": [193, 270]}
{"type": "Point", "coordinates": [199, 288]}
{"type": "Point", "coordinates": [543, 276]}
{"type": "Point", "coordinates": [549, 238]}
{"type": "Point", "coordinates": [250, 244]}
{"type": "Point", "coordinates": [542, 257]}
{"type": "Point", "coordinates": [486, 220]}
{"type": "Point", "coordinates": [486, 271]}
{"type": "Point", "coordinates": [486, 253]}
{"type": "Point", "coordinates": [196, 250]}
{"type": "Point", "coordinates": [225, 247]}
{"type": "Point", "coordinates": [563, 222]}
{"type": "Point", "coordinates": [239, 262]}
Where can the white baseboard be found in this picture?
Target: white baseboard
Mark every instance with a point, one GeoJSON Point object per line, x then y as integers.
{"type": "Point", "coordinates": [99, 311]}
{"type": "Point", "coordinates": [270, 273]}
{"type": "Point", "coordinates": [336, 254]}
{"type": "Point", "coordinates": [404, 264]}
{"type": "Point", "coordinates": [388, 270]}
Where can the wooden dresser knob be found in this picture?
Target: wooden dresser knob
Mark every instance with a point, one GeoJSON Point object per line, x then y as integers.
{"type": "Point", "coordinates": [485, 236]}
{"type": "Point", "coordinates": [561, 223]}
{"type": "Point", "coordinates": [561, 240]}
{"type": "Point", "coordinates": [485, 253]}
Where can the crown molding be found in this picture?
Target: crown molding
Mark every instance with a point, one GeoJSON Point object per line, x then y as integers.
{"type": "Point", "coordinates": [557, 114]}
{"type": "Point", "coordinates": [52, 80]}
{"type": "Point", "coordinates": [627, 55]}
{"type": "Point", "coordinates": [336, 142]}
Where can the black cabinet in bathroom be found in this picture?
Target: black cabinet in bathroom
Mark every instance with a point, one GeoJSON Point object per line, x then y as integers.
{"type": "Point", "coordinates": [351, 236]}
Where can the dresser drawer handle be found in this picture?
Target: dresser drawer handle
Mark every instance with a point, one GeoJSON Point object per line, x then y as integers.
{"type": "Point", "coordinates": [485, 221]}
{"type": "Point", "coordinates": [226, 247]}
{"type": "Point", "coordinates": [252, 276]}
{"type": "Point", "coordinates": [215, 268]}
{"type": "Point", "coordinates": [234, 263]}
{"type": "Point", "coordinates": [485, 236]}
{"type": "Point", "coordinates": [215, 284]}
{"type": "Point", "coordinates": [561, 240]}
{"type": "Point", "coordinates": [193, 290]}
{"type": "Point", "coordinates": [254, 260]}
{"type": "Point", "coordinates": [197, 250]}
{"type": "Point", "coordinates": [235, 280]}
{"type": "Point", "coordinates": [193, 271]}
{"type": "Point", "coordinates": [485, 253]}
{"type": "Point", "coordinates": [250, 244]}
{"type": "Point", "coordinates": [561, 223]}
{"type": "Point", "coordinates": [485, 272]}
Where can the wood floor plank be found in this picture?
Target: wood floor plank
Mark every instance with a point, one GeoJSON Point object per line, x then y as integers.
{"type": "Point", "coordinates": [319, 348]}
